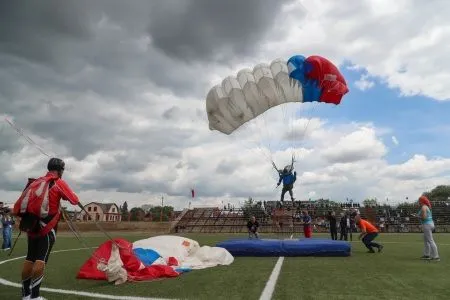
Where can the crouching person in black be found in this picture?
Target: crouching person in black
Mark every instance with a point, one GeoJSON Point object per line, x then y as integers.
{"type": "Point", "coordinates": [253, 226]}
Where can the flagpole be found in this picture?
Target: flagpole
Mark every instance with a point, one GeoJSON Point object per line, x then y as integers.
{"type": "Point", "coordinates": [162, 207]}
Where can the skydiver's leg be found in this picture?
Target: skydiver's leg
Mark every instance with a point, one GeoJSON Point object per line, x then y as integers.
{"type": "Point", "coordinates": [283, 192]}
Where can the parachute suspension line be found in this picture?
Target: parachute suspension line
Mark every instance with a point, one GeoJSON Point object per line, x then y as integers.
{"type": "Point", "coordinates": [26, 137]}
{"type": "Point", "coordinates": [75, 231]}
{"type": "Point", "coordinates": [293, 134]}
{"type": "Point", "coordinates": [98, 225]}
{"type": "Point", "coordinates": [257, 149]}
{"type": "Point", "coordinates": [269, 136]}
{"type": "Point", "coordinates": [309, 121]}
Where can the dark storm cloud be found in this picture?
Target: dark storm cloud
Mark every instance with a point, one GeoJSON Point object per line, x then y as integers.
{"type": "Point", "coordinates": [227, 167]}
{"type": "Point", "coordinates": [9, 140]}
{"type": "Point", "coordinates": [123, 163]}
{"type": "Point", "coordinates": [70, 70]}
{"type": "Point", "coordinates": [171, 113]}
{"type": "Point", "coordinates": [211, 29]}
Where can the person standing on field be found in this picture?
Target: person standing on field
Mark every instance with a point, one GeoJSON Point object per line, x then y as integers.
{"type": "Point", "coordinates": [307, 227]}
{"type": "Point", "coordinates": [430, 251]}
{"type": "Point", "coordinates": [38, 207]}
{"type": "Point", "coordinates": [333, 225]}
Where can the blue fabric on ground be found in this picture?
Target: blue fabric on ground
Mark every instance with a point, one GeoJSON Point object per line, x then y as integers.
{"type": "Point", "coordinates": [146, 256]}
{"type": "Point", "coordinates": [273, 247]}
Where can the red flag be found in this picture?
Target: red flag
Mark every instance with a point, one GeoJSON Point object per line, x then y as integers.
{"type": "Point", "coordinates": [192, 193]}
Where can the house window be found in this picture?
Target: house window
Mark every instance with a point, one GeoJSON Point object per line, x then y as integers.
{"type": "Point", "coordinates": [114, 210]}
{"type": "Point", "coordinates": [95, 208]}
{"type": "Point", "coordinates": [89, 208]}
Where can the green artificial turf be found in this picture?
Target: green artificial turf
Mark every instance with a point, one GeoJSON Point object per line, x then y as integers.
{"type": "Point", "coordinates": [397, 273]}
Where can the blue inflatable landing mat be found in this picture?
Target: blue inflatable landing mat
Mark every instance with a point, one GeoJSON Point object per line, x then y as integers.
{"type": "Point", "coordinates": [272, 247]}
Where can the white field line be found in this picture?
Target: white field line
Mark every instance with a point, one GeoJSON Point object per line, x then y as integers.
{"type": "Point", "coordinates": [270, 285]}
{"type": "Point", "coordinates": [71, 292]}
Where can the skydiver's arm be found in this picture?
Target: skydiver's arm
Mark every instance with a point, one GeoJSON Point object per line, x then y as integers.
{"type": "Point", "coordinates": [363, 232]}
{"type": "Point", "coordinates": [66, 192]}
{"type": "Point", "coordinates": [423, 212]}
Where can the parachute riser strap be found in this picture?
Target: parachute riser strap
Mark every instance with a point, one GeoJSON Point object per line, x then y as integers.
{"type": "Point", "coordinates": [78, 236]}
{"type": "Point", "coordinates": [99, 226]}
{"type": "Point", "coordinates": [15, 242]}
{"type": "Point", "coordinates": [274, 166]}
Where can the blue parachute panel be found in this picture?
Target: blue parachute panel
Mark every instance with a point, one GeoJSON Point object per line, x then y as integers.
{"type": "Point", "coordinates": [298, 68]}
{"type": "Point", "coordinates": [147, 256]}
{"type": "Point", "coordinates": [273, 247]}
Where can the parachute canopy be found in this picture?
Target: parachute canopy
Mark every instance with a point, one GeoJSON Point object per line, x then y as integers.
{"type": "Point", "coordinates": [148, 259]}
{"type": "Point", "coordinates": [252, 92]}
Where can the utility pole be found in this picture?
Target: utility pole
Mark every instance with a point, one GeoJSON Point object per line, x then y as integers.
{"type": "Point", "coordinates": [162, 206]}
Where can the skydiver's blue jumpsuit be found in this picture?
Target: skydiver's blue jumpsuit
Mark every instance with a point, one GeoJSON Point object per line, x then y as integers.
{"type": "Point", "coordinates": [288, 184]}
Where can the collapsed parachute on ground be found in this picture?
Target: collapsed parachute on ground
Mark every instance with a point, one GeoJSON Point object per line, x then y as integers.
{"type": "Point", "coordinates": [240, 99]}
{"type": "Point", "coordinates": [148, 259]}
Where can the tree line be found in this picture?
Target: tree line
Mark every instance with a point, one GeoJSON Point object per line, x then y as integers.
{"type": "Point", "coordinates": [146, 212]}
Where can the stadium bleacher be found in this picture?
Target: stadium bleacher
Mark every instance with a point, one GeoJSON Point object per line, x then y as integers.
{"type": "Point", "coordinates": [276, 219]}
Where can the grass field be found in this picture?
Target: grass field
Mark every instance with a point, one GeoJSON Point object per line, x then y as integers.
{"type": "Point", "coordinates": [397, 273]}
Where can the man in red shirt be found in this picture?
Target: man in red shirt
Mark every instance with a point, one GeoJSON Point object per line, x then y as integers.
{"type": "Point", "coordinates": [39, 247]}
{"type": "Point", "coordinates": [368, 234]}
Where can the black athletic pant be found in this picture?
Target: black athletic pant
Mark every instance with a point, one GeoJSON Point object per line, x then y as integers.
{"type": "Point", "coordinates": [368, 240]}
{"type": "Point", "coordinates": [333, 231]}
{"type": "Point", "coordinates": [287, 188]}
{"type": "Point", "coordinates": [344, 234]}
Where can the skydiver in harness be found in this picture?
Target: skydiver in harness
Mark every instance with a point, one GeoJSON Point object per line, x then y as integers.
{"type": "Point", "coordinates": [288, 179]}
{"type": "Point", "coordinates": [43, 192]}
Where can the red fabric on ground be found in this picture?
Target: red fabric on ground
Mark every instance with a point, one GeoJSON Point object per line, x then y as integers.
{"type": "Point", "coordinates": [135, 269]}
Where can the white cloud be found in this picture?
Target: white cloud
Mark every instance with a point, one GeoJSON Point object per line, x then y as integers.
{"type": "Point", "coordinates": [339, 161]}
{"type": "Point", "coordinates": [166, 137]}
{"type": "Point", "coordinates": [364, 83]}
{"type": "Point", "coordinates": [389, 40]}
{"type": "Point", "coordinates": [395, 140]}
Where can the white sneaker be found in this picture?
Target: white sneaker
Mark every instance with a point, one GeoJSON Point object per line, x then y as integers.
{"type": "Point", "coordinates": [26, 298]}
{"type": "Point", "coordinates": [38, 298]}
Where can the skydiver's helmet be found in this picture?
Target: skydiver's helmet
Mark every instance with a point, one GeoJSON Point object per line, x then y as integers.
{"type": "Point", "coordinates": [56, 164]}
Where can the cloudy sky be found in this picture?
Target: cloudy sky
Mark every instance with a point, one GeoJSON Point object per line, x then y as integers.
{"type": "Point", "coordinates": [118, 88]}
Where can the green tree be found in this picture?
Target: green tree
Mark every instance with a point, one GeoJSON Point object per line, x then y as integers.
{"type": "Point", "coordinates": [406, 205]}
{"type": "Point", "coordinates": [124, 211]}
{"type": "Point", "coordinates": [137, 214]}
{"type": "Point", "coordinates": [252, 208]}
{"type": "Point", "coordinates": [440, 193]}
{"type": "Point", "coordinates": [156, 213]}
{"type": "Point", "coordinates": [370, 202]}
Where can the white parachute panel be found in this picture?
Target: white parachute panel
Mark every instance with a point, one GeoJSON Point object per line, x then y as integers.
{"type": "Point", "coordinates": [240, 99]}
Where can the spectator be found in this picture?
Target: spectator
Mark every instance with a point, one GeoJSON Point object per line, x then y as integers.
{"type": "Point", "coordinates": [253, 226]}
{"type": "Point", "coordinates": [344, 224]}
{"type": "Point", "coordinates": [7, 224]}
{"type": "Point", "coordinates": [430, 251]}
{"type": "Point", "coordinates": [333, 228]}
{"type": "Point", "coordinates": [307, 231]}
